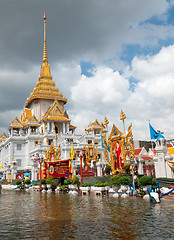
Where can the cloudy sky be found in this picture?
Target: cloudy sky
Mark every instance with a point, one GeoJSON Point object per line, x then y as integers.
{"type": "Point", "coordinates": [105, 55]}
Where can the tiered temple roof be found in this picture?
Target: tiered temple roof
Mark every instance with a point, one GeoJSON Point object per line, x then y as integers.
{"type": "Point", "coordinates": [45, 87]}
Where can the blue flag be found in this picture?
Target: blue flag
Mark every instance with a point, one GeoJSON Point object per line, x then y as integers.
{"type": "Point", "coordinates": [154, 134]}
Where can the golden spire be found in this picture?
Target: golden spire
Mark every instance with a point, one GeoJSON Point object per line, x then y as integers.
{"type": "Point", "coordinates": [45, 72]}
{"type": "Point", "coordinates": [45, 87]}
{"type": "Point", "coordinates": [45, 58]}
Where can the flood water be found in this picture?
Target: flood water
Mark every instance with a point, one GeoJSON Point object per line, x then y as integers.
{"type": "Point", "coordinates": [37, 215]}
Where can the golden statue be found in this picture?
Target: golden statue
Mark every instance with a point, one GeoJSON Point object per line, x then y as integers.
{"type": "Point", "coordinates": [53, 154]}
{"type": "Point", "coordinates": [91, 153]}
{"type": "Point", "coordinates": [117, 147]}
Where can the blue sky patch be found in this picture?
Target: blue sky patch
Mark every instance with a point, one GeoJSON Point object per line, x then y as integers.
{"type": "Point", "coordinates": [133, 82]}
{"type": "Point", "coordinates": [87, 68]}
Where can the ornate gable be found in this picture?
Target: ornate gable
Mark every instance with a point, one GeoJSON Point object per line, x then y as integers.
{"type": "Point", "coordinates": [33, 121]}
{"type": "Point", "coordinates": [94, 125]}
{"type": "Point", "coordinates": [3, 137]}
{"type": "Point", "coordinates": [55, 112]}
{"type": "Point", "coordinates": [16, 123]}
{"type": "Point", "coordinates": [116, 134]}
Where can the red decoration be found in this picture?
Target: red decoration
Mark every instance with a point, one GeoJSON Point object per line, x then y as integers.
{"type": "Point", "coordinates": [59, 169]}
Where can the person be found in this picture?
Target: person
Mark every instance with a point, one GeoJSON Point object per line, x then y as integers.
{"type": "Point", "coordinates": [136, 180]}
{"type": "Point", "coordinates": [1, 181]}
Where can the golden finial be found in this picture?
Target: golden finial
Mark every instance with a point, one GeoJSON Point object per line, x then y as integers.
{"type": "Point", "coordinates": [122, 117]}
{"type": "Point", "coordinates": [106, 122]}
{"type": "Point", "coordinates": [44, 17]}
{"type": "Point", "coordinates": [45, 58]}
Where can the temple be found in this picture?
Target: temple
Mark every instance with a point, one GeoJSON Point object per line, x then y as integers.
{"type": "Point", "coordinates": [44, 121]}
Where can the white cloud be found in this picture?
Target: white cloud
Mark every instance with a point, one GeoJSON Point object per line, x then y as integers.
{"type": "Point", "coordinates": [107, 92]}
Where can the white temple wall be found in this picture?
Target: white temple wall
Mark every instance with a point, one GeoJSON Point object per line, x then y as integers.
{"type": "Point", "coordinates": [40, 107]}
{"type": "Point", "coordinates": [170, 173]}
{"type": "Point", "coordinates": [160, 167]}
{"type": "Point", "coordinates": [19, 154]}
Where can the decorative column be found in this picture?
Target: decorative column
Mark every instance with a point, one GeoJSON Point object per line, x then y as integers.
{"type": "Point", "coordinates": [4, 174]}
{"type": "Point", "coordinates": [99, 168]}
{"type": "Point", "coordinates": [14, 169]}
{"type": "Point", "coordinates": [63, 127]}
{"type": "Point", "coordinates": [140, 166]}
{"type": "Point", "coordinates": [29, 130]}
{"type": "Point", "coordinates": [45, 127]}
{"type": "Point", "coordinates": [34, 170]}
{"type": "Point", "coordinates": [8, 171]}
{"type": "Point", "coordinates": [159, 158]}
{"type": "Point", "coordinates": [51, 126]}
{"type": "Point", "coordinates": [67, 127]}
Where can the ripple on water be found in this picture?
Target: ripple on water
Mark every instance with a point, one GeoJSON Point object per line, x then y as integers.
{"type": "Point", "coordinates": [60, 216]}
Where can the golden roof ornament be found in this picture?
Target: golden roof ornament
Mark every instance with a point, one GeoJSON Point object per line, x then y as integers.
{"type": "Point", "coordinates": [122, 117]}
{"type": "Point", "coordinates": [106, 121]}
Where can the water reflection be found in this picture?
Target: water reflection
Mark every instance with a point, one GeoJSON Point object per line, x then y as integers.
{"type": "Point", "coordinates": [61, 216]}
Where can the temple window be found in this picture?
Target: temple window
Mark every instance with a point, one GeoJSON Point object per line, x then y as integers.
{"type": "Point", "coordinates": [33, 129]}
{"type": "Point", "coordinates": [89, 141]}
{"type": "Point", "coordinates": [36, 142]}
{"type": "Point", "coordinates": [96, 132]}
{"type": "Point", "coordinates": [57, 129]}
{"type": "Point", "coordinates": [18, 162]}
{"type": "Point", "coordinates": [50, 141]}
{"type": "Point", "coordinates": [25, 131]}
{"type": "Point", "coordinates": [71, 131]}
{"type": "Point", "coordinates": [19, 147]}
{"type": "Point", "coordinates": [16, 131]}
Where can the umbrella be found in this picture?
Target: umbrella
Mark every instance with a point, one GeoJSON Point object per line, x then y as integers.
{"type": "Point", "coordinates": [27, 174]}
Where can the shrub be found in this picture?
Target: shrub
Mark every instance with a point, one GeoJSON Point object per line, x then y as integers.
{"type": "Point", "coordinates": [86, 184]}
{"type": "Point", "coordinates": [145, 180]}
{"type": "Point", "coordinates": [64, 188]}
{"type": "Point", "coordinates": [142, 192]}
{"type": "Point", "coordinates": [67, 181]}
{"type": "Point", "coordinates": [43, 181]}
{"type": "Point", "coordinates": [154, 181]}
{"type": "Point", "coordinates": [115, 180]}
{"type": "Point", "coordinates": [124, 180]}
{"type": "Point", "coordinates": [53, 185]}
{"type": "Point", "coordinates": [18, 182]}
{"type": "Point", "coordinates": [49, 180]}
{"type": "Point", "coordinates": [27, 181]}
{"type": "Point", "coordinates": [100, 184]}
{"type": "Point", "coordinates": [107, 169]}
{"type": "Point", "coordinates": [37, 183]}
{"type": "Point", "coordinates": [75, 180]}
